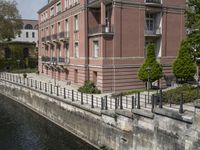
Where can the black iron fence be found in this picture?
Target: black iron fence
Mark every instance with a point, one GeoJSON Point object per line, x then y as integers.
{"type": "Point", "coordinates": [136, 101]}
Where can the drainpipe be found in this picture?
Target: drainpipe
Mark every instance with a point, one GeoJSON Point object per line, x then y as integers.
{"type": "Point", "coordinates": [86, 40]}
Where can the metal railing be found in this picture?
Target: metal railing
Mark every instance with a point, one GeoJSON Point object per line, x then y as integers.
{"type": "Point", "coordinates": [153, 1]}
{"type": "Point", "coordinates": [136, 101]}
{"type": "Point", "coordinates": [101, 29]}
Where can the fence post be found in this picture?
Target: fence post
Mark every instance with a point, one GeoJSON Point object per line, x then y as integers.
{"type": "Point", "coordinates": [92, 97]}
{"type": "Point", "coordinates": [160, 102]}
{"type": "Point", "coordinates": [20, 80]}
{"type": "Point", "coordinates": [51, 89]}
{"type": "Point", "coordinates": [40, 85]}
{"type": "Point", "coordinates": [35, 84]}
{"type": "Point", "coordinates": [57, 90]}
{"type": "Point", "coordinates": [121, 104]}
{"type": "Point", "coordinates": [116, 103]}
{"type": "Point", "coordinates": [27, 82]}
{"type": "Point", "coordinates": [133, 102]}
{"type": "Point", "coordinates": [152, 102]}
{"type": "Point", "coordinates": [181, 105]}
{"type": "Point", "coordinates": [138, 105]}
{"type": "Point", "coordinates": [64, 93]}
{"type": "Point", "coordinates": [31, 82]}
{"type": "Point", "coordinates": [102, 103]}
{"type": "Point", "coordinates": [81, 98]}
{"type": "Point", "coordinates": [106, 99]}
{"type": "Point", "coordinates": [45, 87]}
{"type": "Point", "coordinates": [72, 95]}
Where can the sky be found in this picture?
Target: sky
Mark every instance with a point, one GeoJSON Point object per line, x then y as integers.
{"type": "Point", "coordinates": [29, 8]}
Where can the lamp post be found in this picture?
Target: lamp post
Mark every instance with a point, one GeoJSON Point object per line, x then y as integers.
{"type": "Point", "coordinates": [54, 64]}
{"type": "Point", "coordinates": [148, 69]}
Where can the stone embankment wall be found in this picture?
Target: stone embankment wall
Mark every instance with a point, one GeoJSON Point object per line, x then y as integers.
{"type": "Point", "coordinates": [119, 129]}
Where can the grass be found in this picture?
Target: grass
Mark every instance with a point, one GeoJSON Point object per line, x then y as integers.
{"type": "Point", "coordinates": [27, 70]}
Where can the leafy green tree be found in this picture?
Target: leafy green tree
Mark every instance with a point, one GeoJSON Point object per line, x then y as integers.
{"type": "Point", "coordinates": [155, 68]}
{"type": "Point", "coordinates": [184, 67]}
{"type": "Point", "coordinates": [193, 26]}
{"type": "Point", "coordinates": [10, 20]}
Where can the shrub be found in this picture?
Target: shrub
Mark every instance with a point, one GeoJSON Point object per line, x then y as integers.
{"type": "Point", "coordinates": [184, 66]}
{"type": "Point", "coordinates": [156, 68]}
{"type": "Point", "coordinates": [189, 92]}
{"type": "Point", "coordinates": [89, 87]}
{"type": "Point", "coordinates": [24, 75]}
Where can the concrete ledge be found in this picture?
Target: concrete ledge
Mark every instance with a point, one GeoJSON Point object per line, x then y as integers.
{"type": "Point", "coordinates": [124, 113]}
{"type": "Point", "coordinates": [144, 113]}
{"type": "Point", "coordinates": [174, 115]}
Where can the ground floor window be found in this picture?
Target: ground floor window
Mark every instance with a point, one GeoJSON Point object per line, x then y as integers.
{"type": "Point", "coordinates": [95, 77]}
{"type": "Point", "coordinates": [75, 76]}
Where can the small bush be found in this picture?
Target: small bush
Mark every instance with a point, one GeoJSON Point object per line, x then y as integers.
{"type": "Point", "coordinates": [89, 88]}
{"type": "Point", "coordinates": [190, 93]}
{"type": "Point", "coordinates": [24, 75]}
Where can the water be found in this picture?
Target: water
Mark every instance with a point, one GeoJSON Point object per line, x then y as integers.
{"type": "Point", "coordinates": [22, 129]}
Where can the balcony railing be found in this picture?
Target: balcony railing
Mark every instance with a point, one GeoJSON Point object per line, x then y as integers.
{"type": "Point", "coordinates": [48, 38]}
{"type": "Point", "coordinates": [101, 29]}
{"type": "Point", "coordinates": [45, 59]}
{"type": "Point", "coordinates": [53, 60]}
{"type": "Point", "coordinates": [64, 36]}
{"type": "Point", "coordinates": [154, 32]}
{"type": "Point", "coordinates": [61, 60]}
{"type": "Point", "coordinates": [54, 37]}
{"type": "Point", "coordinates": [153, 2]}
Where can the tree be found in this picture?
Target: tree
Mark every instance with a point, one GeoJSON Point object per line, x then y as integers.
{"type": "Point", "coordinates": [155, 68]}
{"type": "Point", "coordinates": [10, 20]}
{"type": "Point", "coordinates": [193, 26]}
{"type": "Point", "coordinates": [184, 66]}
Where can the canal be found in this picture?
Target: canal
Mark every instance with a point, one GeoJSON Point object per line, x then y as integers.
{"type": "Point", "coordinates": [22, 129]}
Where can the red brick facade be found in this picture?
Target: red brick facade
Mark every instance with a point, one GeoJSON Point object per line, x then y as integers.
{"type": "Point", "coordinates": [106, 39]}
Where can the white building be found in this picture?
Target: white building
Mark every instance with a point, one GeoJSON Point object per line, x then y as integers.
{"type": "Point", "coordinates": [29, 33]}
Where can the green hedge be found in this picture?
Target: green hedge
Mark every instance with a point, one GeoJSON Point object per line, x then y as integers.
{"type": "Point", "coordinates": [190, 93]}
{"type": "Point", "coordinates": [89, 88]}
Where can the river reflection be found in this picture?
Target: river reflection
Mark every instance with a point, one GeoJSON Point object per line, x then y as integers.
{"type": "Point", "coordinates": [22, 129]}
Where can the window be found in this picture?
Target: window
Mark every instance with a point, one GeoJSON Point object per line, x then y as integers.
{"type": "Point", "coordinates": [19, 34]}
{"type": "Point", "coordinates": [58, 7]}
{"type": "Point", "coordinates": [150, 21]}
{"type": "Point", "coordinates": [66, 4]}
{"type": "Point", "coordinates": [52, 29]}
{"type": "Point", "coordinates": [26, 34]}
{"type": "Point", "coordinates": [59, 50]}
{"type": "Point", "coordinates": [59, 27]}
{"type": "Point", "coordinates": [96, 49]}
{"type": "Point", "coordinates": [52, 11]}
{"type": "Point", "coordinates": [76, 23]}
{"type": "Point", "coordinates": [67, 27]}
{"type": "Point", "coordinates": [33, 34]}
{"type": "Point", "coordinates": [47, 31]}
{"type": "Point", "coordinates": [28, 27]}
{"type": "Point", "coordinates": [76, 50]}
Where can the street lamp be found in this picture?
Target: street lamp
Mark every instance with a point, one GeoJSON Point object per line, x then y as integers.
{"type": "Point", "coordinates": [54, 64]}
{"type": "Point", "coordinates": [148, 69]}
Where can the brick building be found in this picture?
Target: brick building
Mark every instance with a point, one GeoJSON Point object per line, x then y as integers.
{"type": "Point", "coordinates": [104, 40]}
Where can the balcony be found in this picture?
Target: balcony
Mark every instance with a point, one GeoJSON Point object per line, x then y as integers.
{"type": "Point", "coordinates": [101, 30]}
{"type": "Point", "coordinates": [45, 59]}
{"type": "Point", "coordinates": [54, 38]}
{"type": "Point", "coordinates": [97, 3]}
{"type": "Point", "coordinates": [48, 39]}
{"type": "Point", "coordinates": [61, 60]}
{"type": "Point", "coordinates": [64, 36]}
{"type": "Point", "coordinates": [153, 33]}
{"type": "Point", "coordinates": [53, 60]}
{"type": "Point", "coordinates": [153, 2]}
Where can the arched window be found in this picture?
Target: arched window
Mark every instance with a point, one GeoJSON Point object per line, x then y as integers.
{"type": "Point", "coordinates": [28, 26]}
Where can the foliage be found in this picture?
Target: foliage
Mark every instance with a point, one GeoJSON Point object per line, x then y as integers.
{"type": "Point", "coordinates": [104, 147]}
{"type": "Point", "coordinates": [27, 70]}
{"type": "Point", "coordinates": [184, 67]}
{"type": "Point", "coordinates": [9, 20]}
{"type": "Point", "coordinates": [24, 75]}
{"type": "Point", "coordinates": [189, 92]}
{"type": "Point", "coordinates": [156, 68]}
{"type": "Point", "coordinates": [89, 87]}
{"type": "Point", "coordinates": [193, 26]}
